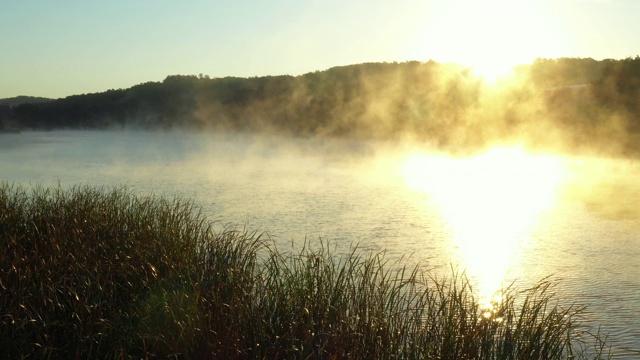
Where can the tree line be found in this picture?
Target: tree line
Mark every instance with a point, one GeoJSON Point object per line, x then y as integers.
{"type": "Point", "coordinates": [445, 104]}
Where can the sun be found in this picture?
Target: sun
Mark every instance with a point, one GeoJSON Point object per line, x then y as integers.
{"type": "Point", "coordinates": [490, 203]}
{"type": "Point", "coordinates": [491, 36]}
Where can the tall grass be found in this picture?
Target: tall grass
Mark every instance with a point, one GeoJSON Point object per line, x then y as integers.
{"type": "Point", "coordinates": [94, 273]}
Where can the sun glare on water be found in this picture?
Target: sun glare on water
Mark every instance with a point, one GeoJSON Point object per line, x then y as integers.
{"type": "Point", "coordinates": [490, 203]}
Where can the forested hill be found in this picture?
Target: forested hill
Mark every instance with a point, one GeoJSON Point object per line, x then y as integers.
{"type": "Point", "coordinates": [443, 103]}
{"type": "Point", "coordinates": [19, 100]}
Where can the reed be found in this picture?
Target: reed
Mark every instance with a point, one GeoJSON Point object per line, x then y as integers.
{"type": "Point", "coordinates": [103, 273]}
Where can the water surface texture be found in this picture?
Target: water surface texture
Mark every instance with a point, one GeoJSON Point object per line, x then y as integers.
{"type": "Point", "coordinates": [501, 215]}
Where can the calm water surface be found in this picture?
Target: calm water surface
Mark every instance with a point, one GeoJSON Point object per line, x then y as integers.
{"type": "Point", "coordinates": [575, 219]}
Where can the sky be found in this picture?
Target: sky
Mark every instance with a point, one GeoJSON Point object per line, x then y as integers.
{"type": "Point", "coordinates": [60, 48]}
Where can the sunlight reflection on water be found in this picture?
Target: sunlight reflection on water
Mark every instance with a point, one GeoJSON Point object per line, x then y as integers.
{"type": "Point", "coordinates": [490, 202]}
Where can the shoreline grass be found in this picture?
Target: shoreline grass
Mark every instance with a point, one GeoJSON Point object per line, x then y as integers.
{"type": "Point", "coordinates": [103, 273]}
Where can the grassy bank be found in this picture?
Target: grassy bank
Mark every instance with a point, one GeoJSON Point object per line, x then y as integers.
{"type": "Point", "coordinates": [93, 273]}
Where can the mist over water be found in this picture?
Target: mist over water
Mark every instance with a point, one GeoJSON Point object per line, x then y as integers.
{"type": "Point", "coordinates": [587, 234]}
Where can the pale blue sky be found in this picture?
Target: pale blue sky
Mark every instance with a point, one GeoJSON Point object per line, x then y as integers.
{"type": "Point", "coordinates": [59, 48]}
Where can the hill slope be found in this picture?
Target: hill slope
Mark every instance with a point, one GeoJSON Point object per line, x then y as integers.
{"type": "Point", "coordinates": [444, 104]}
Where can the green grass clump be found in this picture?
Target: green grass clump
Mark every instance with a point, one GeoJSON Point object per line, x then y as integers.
{"type": "Point", "coordinates": [94, 273]}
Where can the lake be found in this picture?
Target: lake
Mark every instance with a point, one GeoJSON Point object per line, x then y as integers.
{"type": "Point", "coordinates": [503, 214]}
